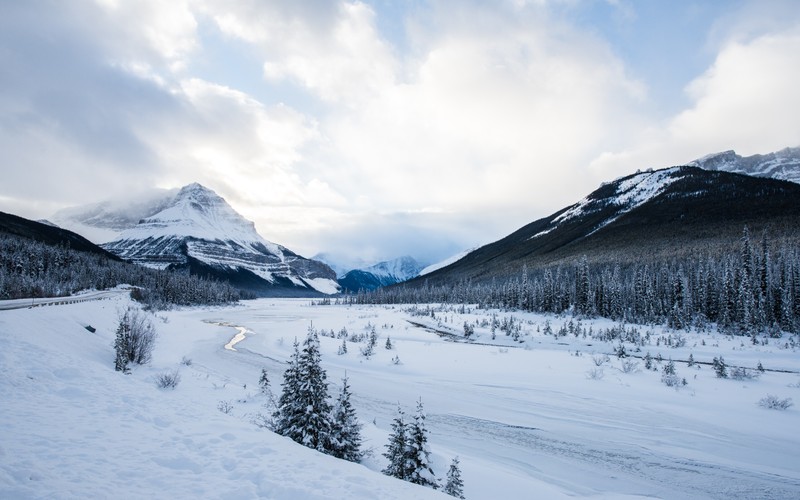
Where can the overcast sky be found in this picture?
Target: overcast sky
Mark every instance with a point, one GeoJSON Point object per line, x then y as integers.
{"type": "Point", "coordinates": [382, 128]}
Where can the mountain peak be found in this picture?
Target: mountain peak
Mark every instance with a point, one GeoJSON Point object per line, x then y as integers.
{"type": "Point", "coordinates": [195, 190]}
{"type": "Point", "coordinates": [783, 165]}
{"type": "Point", "coordinates": [198, 212]}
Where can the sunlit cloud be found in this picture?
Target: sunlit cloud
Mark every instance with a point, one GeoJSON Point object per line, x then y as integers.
{"type": "Point", "coordinates": [425, 129]}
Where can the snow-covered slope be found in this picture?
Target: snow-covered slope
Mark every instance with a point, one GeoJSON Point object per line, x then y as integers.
{"type": "Point", "coordinates": [550, 416]}
{"type": "Point", "coordinates": [783, 165]}
{"type": "Point", "coordinates": [622, 195]}
{"type": "Point", "coordinates": [199, 228]}
{"type": "Point", "coordinates": [72, 427]}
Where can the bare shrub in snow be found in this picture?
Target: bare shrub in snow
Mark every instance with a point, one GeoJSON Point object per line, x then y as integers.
{"type": "Point", "coordinates": [168, 380]}
{"type": "Point", "coordinates": [595, 374]}
{"type": "Point", "coordinates": [740, 373]}
{"type": "Point", "coordinates": [186, 361]}
{"type": "Point", "coordinates": [600, 360]}
{"type": "Point", "coordinates": [135, 339]}
{"type": "Point", "coordinates": [630, 366]}
{"type": "Point", "coordinates": [774, 402]}
{"type": "Point", "coordinates": [225, 407]}
{"type": "Point", "coordinates": [669, 376]}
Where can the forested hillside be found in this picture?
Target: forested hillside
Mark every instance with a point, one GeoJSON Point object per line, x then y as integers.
{"type": "Point", "coordinates": [37, 260]}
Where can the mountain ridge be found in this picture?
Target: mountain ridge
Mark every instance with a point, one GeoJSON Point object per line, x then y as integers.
{"type": "Point", "coordinates": [781, 165]}
{"type": "Point", "coordinates": [383, 273]}
{"type": "Point", "coordinates": [642, 217]}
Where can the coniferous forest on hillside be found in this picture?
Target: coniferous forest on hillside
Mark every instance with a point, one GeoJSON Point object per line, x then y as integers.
{"type": "Point", "coordinates": [749, 290]}
{"type": "Point", "coordinates": [30, 268]}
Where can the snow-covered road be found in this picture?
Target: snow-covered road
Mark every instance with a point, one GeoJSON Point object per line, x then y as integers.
{"type": "Point", "coordinates": [6, 305]}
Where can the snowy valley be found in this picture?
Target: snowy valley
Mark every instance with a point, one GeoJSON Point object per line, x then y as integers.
{"type": "Point", "coordinates": [553, 414]}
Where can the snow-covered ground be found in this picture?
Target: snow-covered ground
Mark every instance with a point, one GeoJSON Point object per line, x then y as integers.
{"type": "Point", "coordinates": [531, 419]}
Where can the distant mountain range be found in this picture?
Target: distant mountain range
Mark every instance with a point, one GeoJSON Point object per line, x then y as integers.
{"type": "Point", "coordinates": [783, 165]}
{"type": "Point", "coordinates": [194, 228]}
{"type": "Point", "coordinates": [381, 274]}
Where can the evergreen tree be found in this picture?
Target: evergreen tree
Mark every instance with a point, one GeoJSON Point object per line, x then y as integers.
{"type": "Point", "coordinates": [648, 360]}
{"type": "Point", "coordinates": [345, 429]}
{"type": "Point", "coordinates": [720, 368]}
{"type": "Point", "coordinates": [396, 448]}
{"type": "Point", "coordinates": [582, 287]}
{"type": "Point", "coordinates": [263, 382]}
{"type": "Point", "coordinates": [312, 396]}
{"type": "Point", "coordinates": [454, 486]}
{"type": "Point", "coordinates": [288, 413]}
{"type": "Point", "coordinates": [389, 343]}
{"type": "Point", "coordinates": [342, 348]}
{"type": "Point", "coordinates": [417, 452]}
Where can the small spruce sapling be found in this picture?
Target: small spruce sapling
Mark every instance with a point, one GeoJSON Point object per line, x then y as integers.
{"type": "Point", "coordinates": [720, 368]}
{"type": "Point", "coordinates": [648, 361]}
{"type": "Point", "coordinates": [455, 485]}
{"type": "Point", "coordinates": [263, 383]}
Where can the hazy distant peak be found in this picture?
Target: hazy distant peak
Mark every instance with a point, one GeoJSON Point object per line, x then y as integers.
{"type": "Point", "coordinates": [782, 165]}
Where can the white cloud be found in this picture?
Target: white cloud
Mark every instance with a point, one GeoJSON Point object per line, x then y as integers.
{"type": "Point", "coordinates": [487, 119]}
{"type": "Point", "coordinates": [482, 118]}
{"type": "Point", "coordinates": [746, 100]}
{"type": "Point", "coordinates": [336, 53]}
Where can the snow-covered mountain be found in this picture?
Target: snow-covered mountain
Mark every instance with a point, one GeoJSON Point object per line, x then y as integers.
{"type": "Point", "coordinates": [444, 263]}
{"type": "Point", "coordinates": [341, 263]}
{"type": "Point", "coordinates": [647, 217]}
{"type": "Point", "coordinates": [198, 230]}
{"type": "Point", "coordinates": [620, 196]}
{"type": "Point", "coordinates": [783, 164]}
{"type": "Point", "coordinates": [381, 274]}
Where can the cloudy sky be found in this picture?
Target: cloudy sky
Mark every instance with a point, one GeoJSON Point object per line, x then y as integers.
{"type": "Point", "coordinates": [382, 128]}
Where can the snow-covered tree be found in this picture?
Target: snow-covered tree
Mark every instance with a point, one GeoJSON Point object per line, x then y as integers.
{"type": "Point", "coordinates": [720, 368]}
{"type": "Point", "coordinates": [396, 448]}
{"type": "Point", "coordinates": [455, 485]}
{"type": "Point", "coordinates": [345, 436]}
{"type": "Point", "coordinates": [418, 462]}
{"type": "Point", "coordinates": [288, 412]}
{"type": "Point", "coordinates": [303, 413]}
{"type": "Point", "coordinates": [312, 396]}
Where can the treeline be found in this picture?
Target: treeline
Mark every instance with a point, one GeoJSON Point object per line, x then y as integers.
{"type": "Point", "coordinates": [29, 268]}
{"type": "Point", "coordinates": [752, 289]}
